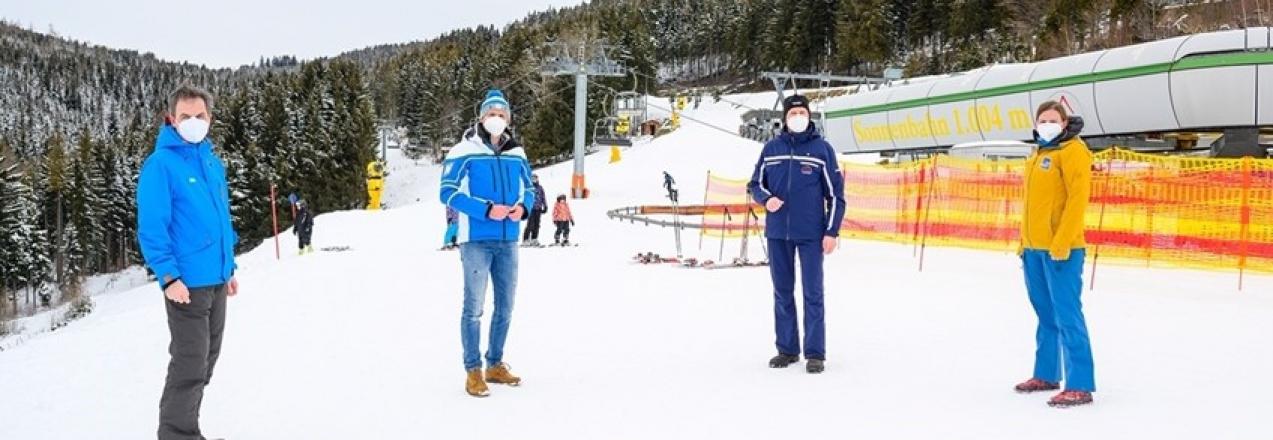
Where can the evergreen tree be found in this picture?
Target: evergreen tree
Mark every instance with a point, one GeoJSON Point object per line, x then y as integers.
{"type": "Point", "coordinates": [55, 177]}
{"type": "Point", "coordinates": [862, 33]}
{"type": "Point", "coordinates": [28, 262]}
{"type": "Point", "coordinates": [85, 235]}
{"type": "Point", "coordinates": [11, 220]}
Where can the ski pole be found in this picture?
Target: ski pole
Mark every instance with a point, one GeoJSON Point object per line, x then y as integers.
{"type": "Point", "coordinates": [763, 246]}
{"type": "Point", "coordinates": [724, 227]}
{"type": "Point", "coordinates": [676, 226]}
{"type": "Point", "coordinates": [742, 249]}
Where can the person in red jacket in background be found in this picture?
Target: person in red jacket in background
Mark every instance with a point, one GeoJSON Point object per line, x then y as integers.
{"type": "Point", "coordinates": [564, 220]}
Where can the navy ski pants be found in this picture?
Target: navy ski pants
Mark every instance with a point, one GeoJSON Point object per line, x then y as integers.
{"type": "Point", "coordinates": [782, 268]}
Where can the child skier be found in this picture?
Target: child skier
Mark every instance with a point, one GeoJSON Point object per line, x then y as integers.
{"type": "Point", "coordinates": [564, 220]}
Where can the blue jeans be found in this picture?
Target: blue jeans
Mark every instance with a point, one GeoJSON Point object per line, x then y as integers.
{"type": "Point", "coordinates": [1054, 288]}
{"type": "Point", "coordinates": [782, 269]}
{"type": "Point", "coordinates": [496, 261]}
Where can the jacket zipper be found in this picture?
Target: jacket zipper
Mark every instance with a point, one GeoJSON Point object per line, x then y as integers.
{"type": "Point", "coordinates": [792, 151]}
{"type": "Point", "coordinates": [503, 186]}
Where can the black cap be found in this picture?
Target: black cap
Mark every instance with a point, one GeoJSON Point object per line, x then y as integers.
{"type": "Point", "coordinates": [794, 101]}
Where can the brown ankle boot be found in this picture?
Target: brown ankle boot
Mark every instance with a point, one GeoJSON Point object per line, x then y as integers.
{"type": "Point", "coordinates": [500, 374]}
{"type": "Point", "coordinates": [475, 386]}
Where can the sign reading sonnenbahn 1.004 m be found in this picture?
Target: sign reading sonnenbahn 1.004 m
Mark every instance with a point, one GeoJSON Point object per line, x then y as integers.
{"type": "Point", "coordinates": [1198, 82]}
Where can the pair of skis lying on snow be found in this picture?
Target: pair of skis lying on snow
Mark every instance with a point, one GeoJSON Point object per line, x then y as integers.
{"type": "Point", "coordinates": [541, 246]}
{"type": "Point", "coordinates": [653, 258]}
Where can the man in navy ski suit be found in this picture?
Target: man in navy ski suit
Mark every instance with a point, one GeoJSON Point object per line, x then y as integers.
{"type": "Point", "coordinates": [798, 181]}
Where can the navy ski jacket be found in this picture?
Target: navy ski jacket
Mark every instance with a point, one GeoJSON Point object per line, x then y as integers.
{"type": "Point", "coordinates": [801, 170]}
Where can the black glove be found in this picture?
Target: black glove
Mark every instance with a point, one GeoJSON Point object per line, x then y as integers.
{"type": "Point", "coordinates": [572, 223]}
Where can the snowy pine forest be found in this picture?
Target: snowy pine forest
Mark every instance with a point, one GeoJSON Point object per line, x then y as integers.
{"type": "Point", "coordinates": [77, 121]}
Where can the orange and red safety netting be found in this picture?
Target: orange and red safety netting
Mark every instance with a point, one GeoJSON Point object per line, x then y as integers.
{"type": "Point", "coordinates": [725, 204]}
{"type": "Point", "coordinates": [1163, 211]}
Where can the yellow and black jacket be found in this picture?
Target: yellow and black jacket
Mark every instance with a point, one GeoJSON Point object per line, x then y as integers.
{"type": "Point", "coordinates": [1058, 181]}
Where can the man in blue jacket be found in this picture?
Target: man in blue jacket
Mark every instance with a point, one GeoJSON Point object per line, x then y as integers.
{"type": "Point", "coordinates": [183, 227]}
{"type": "Point", "coordinates": [487, 179]}
{"type": "Point", "coordinates": [798, 181]}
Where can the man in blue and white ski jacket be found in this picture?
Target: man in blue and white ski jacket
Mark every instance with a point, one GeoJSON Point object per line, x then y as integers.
{"type": "Point", "coordinates": [486, 177]}
{"type": "Point", "coordinates": [798, 181]}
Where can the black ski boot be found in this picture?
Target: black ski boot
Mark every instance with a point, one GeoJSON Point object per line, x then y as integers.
{"type": "Point", "coordinates": [814, 366]}
{"type": "Point", "coordinates": [783, 360]}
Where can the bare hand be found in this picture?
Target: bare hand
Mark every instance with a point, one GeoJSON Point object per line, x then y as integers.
{"type": "Point", "coordinates": [828, 245]}
{"type": "Point", "coordinates": [499, 212]}
{"type": "Point", "coordinates": [178, 293]}
{"type": "Point", "coordinates": [233, 287]}
{"type": "Point", "coordinates": [773, 204]}
{"type": "Point", "coordinates": [517, 213]}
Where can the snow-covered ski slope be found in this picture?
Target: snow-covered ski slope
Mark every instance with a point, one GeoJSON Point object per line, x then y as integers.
{"type": "Point", "coordinates": [364, 344]}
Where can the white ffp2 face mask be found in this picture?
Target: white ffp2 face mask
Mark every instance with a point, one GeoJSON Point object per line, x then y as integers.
{"type": "Point", "coordinates": [798, 123]}
{"type": "Point", "coordinates": [1048, 131]}
{"type": "Point", "coordinates": [193, 130]}
{"type": "Point", "coordinates": [495, 125]}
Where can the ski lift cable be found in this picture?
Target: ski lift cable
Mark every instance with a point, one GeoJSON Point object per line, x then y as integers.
{"type": "Point", "coordinates": [723, 99]}
{"type": "Point", "coordinates": [683, 116]}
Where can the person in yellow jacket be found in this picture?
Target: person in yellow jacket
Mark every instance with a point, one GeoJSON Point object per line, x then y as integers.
{"type": "Point", "coordinates": [1058, 179]}
{"type": "Point", "coordinates": [375, 184]}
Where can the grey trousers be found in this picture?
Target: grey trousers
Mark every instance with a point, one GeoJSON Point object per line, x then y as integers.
{"type": "Point", "coordinates": [196, 330]}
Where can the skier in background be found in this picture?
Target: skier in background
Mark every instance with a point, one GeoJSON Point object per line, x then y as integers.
{"type": "Point", "coordinates": [669, 184]}
{"type": "Point", "coordinates": [564, 220]}
{"type": "Point", "coordinates": [304, 229]}
{"type": "Point", "coordinates": [375, 184]}
{"type": "Point", "coordinates": [452, 229]}
{"type": "Point", "coordinates": [531, 236]}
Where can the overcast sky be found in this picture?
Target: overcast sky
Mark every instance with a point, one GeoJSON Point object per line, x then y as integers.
{"type": "Point", "coordinates": [229, 33]}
